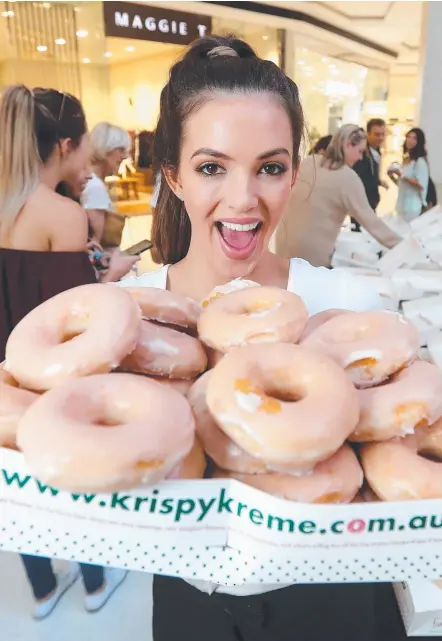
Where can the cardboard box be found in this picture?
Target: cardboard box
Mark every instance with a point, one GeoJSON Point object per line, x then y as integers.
{"type": "Point", "coordinates": [220, 531]}
{"type": "Point", "coordinates": [420, 603]}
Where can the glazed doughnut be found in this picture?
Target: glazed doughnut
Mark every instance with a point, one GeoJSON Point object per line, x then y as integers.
{"type": "Point", "coordinates": [336, 480]}
{"type": "Point", "coordinates": [192, 466]}
{"type": "Point", "coordinates": [370, 346]}
{"type": "Point", "coordinates": [221, 449]}
{"type": "Point", "coordinates": [397, 470]}
{"type": "Point", "coordinates": [281, 403]}
{"type": "Point", "coordinates": [162, 351]}
{"type": "Point", "coordinates": [231, 286]}
{"type": "Point", "coordinates": [319, 319]}
{"type": "Point", "coordinates": [252, 315]}
{"type": "Point", "coordinates": [165, 307]}
{"type": "Point", "coordinates": [106, 433]}
{"type": "Point", "coordinates": [411, 397]}
{"type": "Point", "coordinates": [13, 404]}
{"type": "Point", "coordinates": [82, 331]}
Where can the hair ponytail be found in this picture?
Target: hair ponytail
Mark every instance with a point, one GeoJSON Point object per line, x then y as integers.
{"type": "Point", "coordinates": [20, 162]}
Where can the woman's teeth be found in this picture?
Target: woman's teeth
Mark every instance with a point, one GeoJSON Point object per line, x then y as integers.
{"type": "Point", "coordinates": [238, 227]}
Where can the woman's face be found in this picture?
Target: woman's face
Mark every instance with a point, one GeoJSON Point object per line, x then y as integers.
{"type": "Point", "coordinates": [114, 159]}
{"type": "Point", "coordinates": [410, 140]}
{"type": "Point", "coordinates": [78, 185]}
{"type": "Point", "coordinates": [235, 176]}
{"type": "Point", "coordinates": [74, 159]}
{"type": "Point", "coordinates": [353, 153]}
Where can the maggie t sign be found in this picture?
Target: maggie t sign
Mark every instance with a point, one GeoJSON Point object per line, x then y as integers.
{"type": "Point", "coordinates": [142, 22]}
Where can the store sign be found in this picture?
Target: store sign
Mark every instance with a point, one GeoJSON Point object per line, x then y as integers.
{"type": "Point", "coordinates": [142, 22]}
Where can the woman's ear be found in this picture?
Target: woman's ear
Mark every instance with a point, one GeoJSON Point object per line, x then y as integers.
{"type": "Point", "coordinates": [65, 146]}
{"type": "Point", "coordinates": [172, 179]}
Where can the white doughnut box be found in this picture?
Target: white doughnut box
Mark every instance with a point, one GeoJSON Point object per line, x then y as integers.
{"type": "Point", "coordinates": [220, 531]}
{"type": "Point", "coordinates": [420, 603]}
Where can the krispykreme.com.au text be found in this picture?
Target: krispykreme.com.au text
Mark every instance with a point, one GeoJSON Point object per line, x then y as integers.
{"type": "Point", "coordinates": [179, 510]}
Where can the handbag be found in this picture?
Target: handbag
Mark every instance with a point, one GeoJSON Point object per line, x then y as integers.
{"type": "Point", "coordinates": [113, 229]}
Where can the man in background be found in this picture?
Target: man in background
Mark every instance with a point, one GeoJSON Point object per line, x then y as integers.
{"type": "Point", "coordinates": [368, 168]}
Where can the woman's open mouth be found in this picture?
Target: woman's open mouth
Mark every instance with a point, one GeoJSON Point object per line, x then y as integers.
{"type": "Point", "coordinates": [238, 240]}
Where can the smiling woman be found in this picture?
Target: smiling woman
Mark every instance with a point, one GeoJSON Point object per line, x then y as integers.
{"type": "Point", "coordinates": [228, 142]}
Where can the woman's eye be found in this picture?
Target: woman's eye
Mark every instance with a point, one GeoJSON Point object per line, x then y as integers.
{"type": "Point", "coordinates": [273, 169]}
{"type": "Point", "coordinates": [210, 169]}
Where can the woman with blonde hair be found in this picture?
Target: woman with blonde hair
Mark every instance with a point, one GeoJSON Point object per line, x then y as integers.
{"type": "Point", "coordinates": [326, 191]}
{"type": "Point", "coordinates": [109, 147]}
{"type": "Point", "coordinates": [43, 237]}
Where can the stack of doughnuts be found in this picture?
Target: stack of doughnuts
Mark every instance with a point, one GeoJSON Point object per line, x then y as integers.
{"type": "Point", "coordinates": [105, 388]}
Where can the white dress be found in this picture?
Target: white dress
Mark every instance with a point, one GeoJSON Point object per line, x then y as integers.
{"type": "Point", "coordinates": [320, 289]}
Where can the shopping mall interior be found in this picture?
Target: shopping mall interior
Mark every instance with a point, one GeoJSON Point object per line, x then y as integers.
{"type": "Point", "coordinates": [352, 61]}
{"type": "Point", "coordinates": [120, 79]}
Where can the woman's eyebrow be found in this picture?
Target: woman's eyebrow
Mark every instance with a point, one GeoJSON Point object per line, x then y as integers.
{"type": "Point", "coordinates": [206, 151]}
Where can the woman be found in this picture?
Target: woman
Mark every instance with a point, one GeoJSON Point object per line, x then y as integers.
{"type": "Point", "coordinates": [228, 140]}
{"type": "Point", "coordinates": [413, 177]}
{"type": "Point", "coordinates": [109, 147]}
{"type": "Point", "coordinates": [43, 239]}
{"type": "Point", "coordinates": [326, 191]}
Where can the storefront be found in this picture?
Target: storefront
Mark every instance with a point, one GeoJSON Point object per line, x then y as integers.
{"type": "Point", "coordinates": [114, 55]}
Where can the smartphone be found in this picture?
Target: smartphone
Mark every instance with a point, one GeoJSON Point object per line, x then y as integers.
{"type": "Point", "coordinates": [139, 248]}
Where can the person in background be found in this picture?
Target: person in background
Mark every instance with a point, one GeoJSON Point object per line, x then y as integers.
{"type": "Point", "coordinates": [43, 238]}
{"type": "Point", "coordinates": [321, 146]}
{"type": "Point", "coordinates": [368, 168]}
{"type": "Point", "coordinates": [109, 147]}
{"type": "Point", "coordinates": [325, 192]}
{"type": "Point", "coordinates": [413, 177]}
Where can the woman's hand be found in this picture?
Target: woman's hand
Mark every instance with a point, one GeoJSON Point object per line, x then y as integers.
{"type": "Point", "coordinates": [119, 265]}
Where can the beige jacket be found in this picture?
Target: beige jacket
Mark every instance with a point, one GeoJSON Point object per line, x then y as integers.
{"type": "Point", "coordinates": [319, 203]}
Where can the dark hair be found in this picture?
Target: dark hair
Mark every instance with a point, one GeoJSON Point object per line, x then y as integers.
{"type": "Point", "coordinates": [211, 64]}
{"type": "Point", "coordinates": [420, 151]}
{"type": "Point", "coordinates": [322, 144]}
{"type": "Point", "coordinates": [375, 122]}
{"type": "Point", "coordinates": [32, 123]}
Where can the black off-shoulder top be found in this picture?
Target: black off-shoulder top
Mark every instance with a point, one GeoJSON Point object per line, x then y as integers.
{"type": "Point", "coordinates": [28, 278]}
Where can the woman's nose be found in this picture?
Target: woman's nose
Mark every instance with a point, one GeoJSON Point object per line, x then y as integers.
{"type": "Point", "coordinates": [242, 193]}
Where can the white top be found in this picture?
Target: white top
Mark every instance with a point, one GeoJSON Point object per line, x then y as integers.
{"type": "Point", "coordinates": [96, 195]}
{"type": "Point", "coordinates": [320, 289]}
{"type": "Point", "coordinates": [411, 200]}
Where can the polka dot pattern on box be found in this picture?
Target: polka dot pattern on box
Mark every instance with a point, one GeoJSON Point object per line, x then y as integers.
{"type": "Point", "coordinates": [217, 564]}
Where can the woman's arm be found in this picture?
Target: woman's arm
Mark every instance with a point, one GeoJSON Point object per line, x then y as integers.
{"type": "Point", "coordinates": [97, 220]}
{"type": "Point", "coordinates": [358, 207]}
{"type": "Point", "coordinates": [421, 176]}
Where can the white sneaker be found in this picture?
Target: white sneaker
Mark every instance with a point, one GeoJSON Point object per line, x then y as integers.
{"type": "Point", "coordinates": [113, 578]}
{"type": "Point", "coordinates": [64, 582]}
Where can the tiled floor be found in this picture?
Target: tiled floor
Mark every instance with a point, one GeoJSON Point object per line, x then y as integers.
{"type": "Point", "coordinates": [127, 615]}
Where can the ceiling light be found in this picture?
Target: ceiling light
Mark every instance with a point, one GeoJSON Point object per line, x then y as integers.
{"type": "Point", "coordinates": [108, 54]}
{"type": "Point", "coordinates": [301, 62]}
{"type": "Point", "coordinates": [86, 60]}
{"type": "Point", "coordinates": [324, 59]}
{"type": "Point", "coordinates": [130, 49]}
{"type": "Point", "coordinates": [42, 48]}
{"type": "Point", "coordinates": [46, 5]}
{"type": "Point", "coordinates": [265, 37]}
{"type": "Point", "coordinates": [60, 41]}
{"type": "Point", "coordinates": [82, 33]}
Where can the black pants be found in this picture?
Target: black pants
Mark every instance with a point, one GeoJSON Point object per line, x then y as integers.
{"type": "Point", "coordinates": [345, 612]}
{"type": "Point", "coordinates": [43, 581]}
